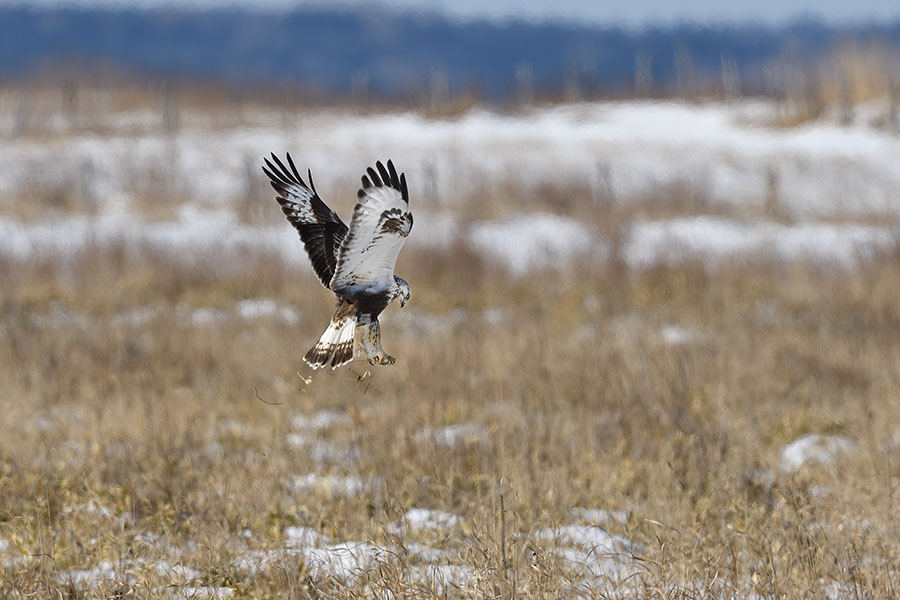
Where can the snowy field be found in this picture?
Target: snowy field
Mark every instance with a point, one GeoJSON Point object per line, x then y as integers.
{"type": "Point", "coordinates": [821, 191]}
{"type": "Point", "coordinates": [650, 353]}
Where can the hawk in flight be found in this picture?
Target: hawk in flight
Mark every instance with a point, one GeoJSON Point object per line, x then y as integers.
{"type": "Point", "coordinates": [356, 263]}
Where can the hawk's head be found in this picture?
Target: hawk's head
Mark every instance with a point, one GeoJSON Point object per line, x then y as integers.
{"type": "Point", "coordinates": [401, 290]}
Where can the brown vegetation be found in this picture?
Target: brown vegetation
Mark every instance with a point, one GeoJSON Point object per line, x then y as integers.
{"type": "Point", "coordinates": [148, 441]}
{"type": "Point", "coordinates": [132, 434]}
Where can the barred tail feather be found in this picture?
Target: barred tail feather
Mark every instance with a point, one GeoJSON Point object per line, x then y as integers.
{"type": "Point", "coordinates": [335, 347]}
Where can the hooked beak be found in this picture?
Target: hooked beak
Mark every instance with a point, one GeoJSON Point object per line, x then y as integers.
{"type": "Point", "coordinates": [403, 301]}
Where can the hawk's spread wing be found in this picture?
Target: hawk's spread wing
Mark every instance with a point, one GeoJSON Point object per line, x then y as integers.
{"type": "Point", "coordinates": [321, 230]}
{"type": "Point", "coordinates": [381, 221]}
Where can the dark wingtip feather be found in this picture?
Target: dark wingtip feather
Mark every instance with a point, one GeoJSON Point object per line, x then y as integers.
{"type": "Point", "coordinates": [285, 174]}
{"type": "Point", "coordinates": [311, 184]}
{"type": "Point", "coordinates": [385, 176]}
{"type": "Point", "coordinates": [395, 181]}
{"type": "Point", "coordinates": [277, 182]}
{"type": "Point", "coordinates": [294, 169]}
{"type": "Point", "coordinates": [403, 191]}
{"type": "Point", "coordinates": [275, 173]}
{"type": "Point", "coordinates": [374, 176]}
{"type": "Point", "coordinates": [366, 183]}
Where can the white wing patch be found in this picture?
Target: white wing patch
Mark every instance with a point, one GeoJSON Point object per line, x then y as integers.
{"type": "Point", "coordinates": [381, 221]}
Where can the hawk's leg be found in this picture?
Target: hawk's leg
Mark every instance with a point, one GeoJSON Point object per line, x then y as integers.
{"type": "Point", "coordinates": [371, 343]}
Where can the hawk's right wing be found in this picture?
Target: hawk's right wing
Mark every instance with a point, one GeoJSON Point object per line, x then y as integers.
{"type": "Point", "coordinates": [321, 230]}
{"type": "Point", "coordinates": [381, 221]}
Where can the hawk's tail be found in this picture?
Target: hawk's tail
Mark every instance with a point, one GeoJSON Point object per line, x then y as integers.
{"type": "Point", "coordinates": [335, 347]}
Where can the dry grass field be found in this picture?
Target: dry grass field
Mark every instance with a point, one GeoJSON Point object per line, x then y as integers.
{"type": "Point", "coordinates": [592, 430]}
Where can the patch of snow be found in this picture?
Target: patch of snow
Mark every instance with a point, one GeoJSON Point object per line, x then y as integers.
{"type": "Point", "coordinates": [198, 593]}
{"type": "Point", "coordinates": [450, 436]}
{"type": "Point", "coordinates": [214, 450]}
{"type": "Point", "coordinates": [59, 316]}
{"type": "Point", "coordinates": [335, 485]}
{"type": "Point", "coordinates": [197, 235]}
{"type": "Point", "coordinates": [595, 554]}
{"type": "Point", "coordinates": [535, 240]}
{"type": "Point", "coordinates": [265, 308]}
{"type": "Point", "coordinates": [677, 335]}
{"type": "Point", "coordinates": [345, 561]}
{"type": "Point", "coordinates": [254, 562]}
{"type": "Point", "coordinates": [441, 579]}
{"type": "Point", "coordinates": [103, 572]}
{"type": "Point", "coordinates": [89, 507]}
{"type": "Point", "coordinates": [202, 317]}
{"type": "Point", "coordinates": [435, 230]}
{"type": "Point", "coordinates": [233, 428]}
{"type": "Point", "coordinates": [297, 439]}
{"type": "Point", "coordinates": [589, 537]}
{"type": "Point", "coordinates": [176, 572]}
{"type": "Point", "coordinates": [323, 419]}
{"type": "Point", "coordinates": [713, 240]}
{"type": "Point", "coordinates": [425, 519]}
{"type": "Point", "coordinates": [813, 448]}
{"type": "Point", "coordinates": [15, 561]}
{"type": "Point", "coordinates": [323, 452]}
{"type": "Point", "coordinates": [427, 554]}
{"type": "Point", "coordinates": [136, 317]}
{"type": "Point", "coordinates": [592, 565]}
{"type": "Point", "coordinates": [42, 424]}
{"type": "Point", "coordinates": [836, 590]}
{"type": "Point", "coordinates": [624, 327]}
{"type": "Point", "coordinates": [495, 315]}
{"type": "Point", "coordinates": [418, 323]}
{"type": "Point", "coordinates": [4, 545]}
{"type": "Point", "coordinates": [760, 477]}
{"type": "Point", "coordinates": [150, 538]}
{"type": "Point", "coordinates": [600, 515]}
{"type": "Point", "coordinates": [296, 537]}
{"type": "Point", "coordinates": [819, 491]}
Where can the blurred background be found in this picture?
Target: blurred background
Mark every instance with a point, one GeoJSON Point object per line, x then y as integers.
{"type": "Point", "coordinates": [651, 347]}
{"type": "Point", "coordinates": [435, 54]}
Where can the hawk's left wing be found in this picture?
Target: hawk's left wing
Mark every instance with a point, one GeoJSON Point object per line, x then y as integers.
{"type": "Point", "coordinates": [320, 229]}
{"type": "Point", "coordinates": [381, 221]}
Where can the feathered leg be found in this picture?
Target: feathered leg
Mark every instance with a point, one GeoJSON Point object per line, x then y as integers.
{"type": "Point", "coordinates": [371, 343]}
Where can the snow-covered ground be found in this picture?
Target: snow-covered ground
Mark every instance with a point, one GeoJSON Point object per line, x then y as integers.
{"type": "Point", "coordinates": [814, 449]}
{"type": "Point", "coordinates": [716, 240]}
{"type": "Point", "coordinates": [825, 184]}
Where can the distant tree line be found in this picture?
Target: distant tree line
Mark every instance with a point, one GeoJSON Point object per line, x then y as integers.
{"type": "Point", "coordinates": [373, 53]}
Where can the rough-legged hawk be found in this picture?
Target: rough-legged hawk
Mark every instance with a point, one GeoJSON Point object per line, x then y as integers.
{"type": "Point", "coordinates": [357, 264]}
